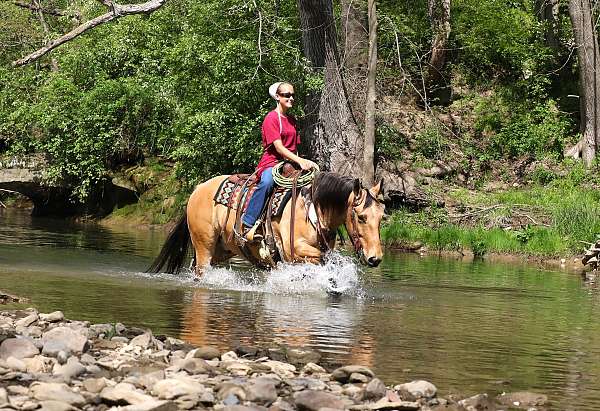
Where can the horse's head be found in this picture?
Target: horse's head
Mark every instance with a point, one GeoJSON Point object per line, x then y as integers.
{"type": "Point", "coordinates": [363, 220]}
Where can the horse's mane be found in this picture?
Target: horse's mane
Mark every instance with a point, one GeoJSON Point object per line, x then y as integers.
{"type": "Point", "coordinates": [332, 191]}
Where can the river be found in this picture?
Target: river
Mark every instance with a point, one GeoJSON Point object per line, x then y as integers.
{"type": "Point", "coordinates": [466, 327]}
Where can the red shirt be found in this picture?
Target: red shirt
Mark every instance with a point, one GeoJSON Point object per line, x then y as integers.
{"type": "Point", "coordinates": [271, 132]}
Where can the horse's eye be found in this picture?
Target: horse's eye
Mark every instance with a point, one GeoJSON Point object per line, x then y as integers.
{"type": "Point", "coordinates": [362, 219]}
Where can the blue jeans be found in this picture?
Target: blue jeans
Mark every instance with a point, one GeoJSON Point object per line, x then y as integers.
{"type": "Point", "coordinates": [257, 201]}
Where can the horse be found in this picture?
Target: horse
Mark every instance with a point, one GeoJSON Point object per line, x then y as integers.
{"type": "Point", "coordinates": [337, 200]}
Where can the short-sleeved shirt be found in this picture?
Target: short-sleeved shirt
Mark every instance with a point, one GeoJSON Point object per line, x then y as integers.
{"type": "Point", "coordinates": [271, 132]}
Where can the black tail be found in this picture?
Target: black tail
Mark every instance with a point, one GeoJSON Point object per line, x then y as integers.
{"type": "Point", "coordinates": [175, 249]}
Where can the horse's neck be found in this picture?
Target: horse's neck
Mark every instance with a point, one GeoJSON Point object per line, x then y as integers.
{"type": "Point", "coordinates": [332, 220]}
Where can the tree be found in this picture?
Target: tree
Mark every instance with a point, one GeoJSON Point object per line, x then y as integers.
{"type": "Point", "coordinates": [115, 11]}
{"type": "Point", "coordinates": [439, 16]}
{"type": "Point", "coordinates": [336, 142]}
{"type": "Point", "coordinates": [355, 52]}
{"type": "Point", "coordinates": [369, 151]}
{"type": "Point", "coordinates": [588, 57]}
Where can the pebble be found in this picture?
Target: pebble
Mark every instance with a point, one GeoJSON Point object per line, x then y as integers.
{"type": "Point", "coordinates": [129, 369]}
{"type": "Point", "coordinates": [53, 317]}
{"type": "Point", "coordinates": [18, 348]}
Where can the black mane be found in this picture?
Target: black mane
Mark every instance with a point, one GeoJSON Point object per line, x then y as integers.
{"type": "Point", "coordinates": [332, 191]}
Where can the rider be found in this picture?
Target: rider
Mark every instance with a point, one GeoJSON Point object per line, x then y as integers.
{"type": "Point", "coordinates": [280, 140]}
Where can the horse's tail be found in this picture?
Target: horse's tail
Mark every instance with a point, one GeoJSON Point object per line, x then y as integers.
{"type": "Point", "coordinates": [175, 249]}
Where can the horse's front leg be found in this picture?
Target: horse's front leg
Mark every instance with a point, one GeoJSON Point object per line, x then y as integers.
{"type": "Point", "coordinates": [307, 253]}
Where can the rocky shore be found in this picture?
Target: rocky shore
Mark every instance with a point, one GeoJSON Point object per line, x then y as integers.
{"type": "Point", "coordinates": [50, 363]}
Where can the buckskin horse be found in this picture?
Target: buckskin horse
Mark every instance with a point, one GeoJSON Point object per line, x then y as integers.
{"type": "Point", "coordinates": [336, 200]}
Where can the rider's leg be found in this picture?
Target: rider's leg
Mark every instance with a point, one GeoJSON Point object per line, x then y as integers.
{"type": "Point", "coordinates": [257, 201]}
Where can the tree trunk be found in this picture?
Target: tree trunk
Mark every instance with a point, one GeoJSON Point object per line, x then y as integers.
{"type": "Point", "coordinates": [355, 34]}
{"type": "Point", "coordinates": [369, 150]}
{"type": "Point", "coordinates": [336, 142]}
{"type": "Point", "coordinates": [439, 16]}
{"type": "Point", "coordinates": [547, 12]}
{"type": "Point", "coordinates": [355, 40]}
{"type": "Point", "coordinates": [588, 57]}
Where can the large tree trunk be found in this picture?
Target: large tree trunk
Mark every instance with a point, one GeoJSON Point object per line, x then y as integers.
{"type": "Point", "coordinates": [355, 40]}
{"type": "Point", "coordinates": [439, 16]}
{"type": "Point", "coordinates": [588, 58]}
{"type": "Point", "coordinates": [369, 151]}
{"type": "Point", "coordinates": [336, 142]}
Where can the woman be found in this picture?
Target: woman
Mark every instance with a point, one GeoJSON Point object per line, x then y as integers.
{"type": "Point", "coordinates": [280, 141]}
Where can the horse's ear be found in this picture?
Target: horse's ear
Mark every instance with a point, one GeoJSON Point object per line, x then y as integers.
{"type": "Point", "coordinates": [378, 190]}
{"type": "Point", "coordinates": [357, 187]}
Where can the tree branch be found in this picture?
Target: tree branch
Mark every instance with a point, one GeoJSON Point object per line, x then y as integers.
{"type": "Point", "coordinates": [33, 7]}
{"type": "Point", "coordinates": [116, 12]}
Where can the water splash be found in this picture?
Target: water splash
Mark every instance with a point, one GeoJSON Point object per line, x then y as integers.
{"type": "Point", "coordinates": [339, 274]}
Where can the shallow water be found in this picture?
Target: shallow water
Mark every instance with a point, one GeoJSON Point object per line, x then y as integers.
{"type": "Point", "coordinates": [467, 327]}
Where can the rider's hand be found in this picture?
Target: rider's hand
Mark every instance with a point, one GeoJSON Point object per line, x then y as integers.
{"type": "Point", "coordinates": [307, 164]}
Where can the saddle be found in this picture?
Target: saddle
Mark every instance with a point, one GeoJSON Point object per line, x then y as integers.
{"type": "Point", "coordinates": [235, 193]}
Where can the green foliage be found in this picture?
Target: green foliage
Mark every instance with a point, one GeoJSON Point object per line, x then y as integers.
{"type": "Point", "coordinates": [431, 143]}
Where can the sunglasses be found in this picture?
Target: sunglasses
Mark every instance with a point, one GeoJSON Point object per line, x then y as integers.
{"type": "Point", "coordinates": [287, 95]}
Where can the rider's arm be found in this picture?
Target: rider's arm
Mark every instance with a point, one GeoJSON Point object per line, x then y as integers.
{"type": "Point", "coordinates": [288, 155]}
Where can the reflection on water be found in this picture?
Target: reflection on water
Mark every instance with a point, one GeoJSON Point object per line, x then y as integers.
{"type": "Point", "coordinates": [466, 327]}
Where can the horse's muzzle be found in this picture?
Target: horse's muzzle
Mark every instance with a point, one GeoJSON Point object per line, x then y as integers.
{"type": "Point", "coordinates": [373, 261]}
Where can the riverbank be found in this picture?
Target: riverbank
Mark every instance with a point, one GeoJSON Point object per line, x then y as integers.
{"type": "Point", "coordinates": [553, 223]}
{"type": "Point", "coordinates": [48, 362]}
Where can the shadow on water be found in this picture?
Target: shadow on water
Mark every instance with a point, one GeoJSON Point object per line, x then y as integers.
{"type": "Point", "coordinates": [468, 328]}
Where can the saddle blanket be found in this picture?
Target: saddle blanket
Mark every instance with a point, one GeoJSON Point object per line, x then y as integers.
{"type": "Point", "coordinates": [230, 190]}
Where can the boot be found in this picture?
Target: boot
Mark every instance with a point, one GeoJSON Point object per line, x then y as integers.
{"type": "Point", "coordinates": [251, 235]}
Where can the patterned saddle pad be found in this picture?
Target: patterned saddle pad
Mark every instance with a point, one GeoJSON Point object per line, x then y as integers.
{"type": "Point", "coordinates": [230, 190]}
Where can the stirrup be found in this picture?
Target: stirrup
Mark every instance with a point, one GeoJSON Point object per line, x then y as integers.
{"type": "Point", "coordinates": [251, 235]}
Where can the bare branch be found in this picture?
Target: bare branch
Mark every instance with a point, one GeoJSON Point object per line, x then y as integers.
{"type": "Point", "coordinates": [119, 11]}
{"type": "Point", "coordinates": [34, 7]}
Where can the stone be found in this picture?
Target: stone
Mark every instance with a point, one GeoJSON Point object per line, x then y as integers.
{"type": "Point", "coordinates": [229, 356]}
{"type": "Point", "coordinates": [310, 400]}
{"type": "Point", "coordinates": [3, 397]}
{"type": "Point", "coordinates": [171, 388]}
{"type": "Point", "coordinates": [53, 317]}
{"type": "Point", "coordinates": [62, 357]}
{"type": "Point", "coordinates": [522, 399]}
{"type": "Point", "coordinates": [312, 368]}
{"type": "Point", "coordinates": [196, 366]}
{"type": "Point", "coordinates": [87, 359]}
{"type": "Point", "coordinates": [16, 365]}
{"type": "Point", "coordinates": [94, 385]}
{"type": "Point", "coordinates": [153, 405]}
{"type": "Point", "coordinates": [282, 369]}
{"type": "Point", "coordinates": [63, 339]}
{"type": "Point", "coordinates": [47, 391]}
{"type": "Point", "coordinates": [357, 377]}
{"type": "Point", "coordinates": [374, 390]}
{"type": "Point", "coordinates": [206, 353]}
{"type": "Point", "coordinates": [143, 340]}
{"type": "Point", "coordinates": [261, 390]}
{"type": "Point", "coordinates": [302, 383]}
{"type": "Point", "coordinates": [477, 402]}
{"type": "Point", "coordinates": [71, 369]}
{"type": "Point", "coordinates": [187, 402]}
{"type": "Point", "coordinates": [17, 390]}
{"type": "Point", "coordinates": [56, 406]}
{"type": "Point", "coordinates": [18, 348]}
{"type": "Point", "coordinates": [27, 321]}
{"type": "Point", "coordinates": [227, 389]}
{"type": "Point", "coordinates": [231, 400]}
{"type": "Point", "coordinates": [302, 356]}
{"type": "Point", "coordinates": [149, 379]}
{"type": "Point", "coordinates": [384, 405]}
{"type": "Point", "coordinates": [416, 389]}
{"type": "Point", "coordinates": [343, 374]}
{"type": "Point", "coordinates": [119, 339]}
{"type": "Point", "coordinates": [123, 394]}
{"type": "Point", "coordinates": [174, 344]}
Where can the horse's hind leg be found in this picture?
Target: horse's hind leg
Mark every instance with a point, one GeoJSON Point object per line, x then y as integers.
{"type": "Point", "coordinates": [204, 254]}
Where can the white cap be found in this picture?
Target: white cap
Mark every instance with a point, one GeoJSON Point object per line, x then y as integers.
{"type": "Point", "coordinates": [273, 89]}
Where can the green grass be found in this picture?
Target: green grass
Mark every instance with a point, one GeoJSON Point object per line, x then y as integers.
{"type": "Point", "coordinates": [572, 213]}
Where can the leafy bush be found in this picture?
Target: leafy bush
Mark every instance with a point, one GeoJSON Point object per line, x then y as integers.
{"type": "Point", "coordinates": [431, 143]}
